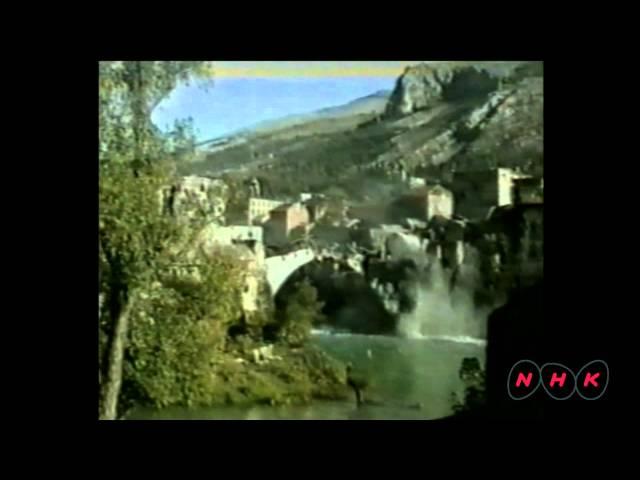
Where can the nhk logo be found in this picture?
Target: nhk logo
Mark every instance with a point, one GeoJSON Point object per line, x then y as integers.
{"type": "Point", "coordinates": [557, 380]}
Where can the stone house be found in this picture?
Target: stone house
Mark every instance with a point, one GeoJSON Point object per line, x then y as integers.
{"type": "Point", "coordinates": [245, 244]}
{"type": "Point", "coordinates": [285, 219]}
{"type": "Point", "coordinates": [476, 192]}
{"type": "Point", "coordinates": [260, 208]}
{"type": "Point", "coordinates": [423, 204]}
{"type": "Point", "coordinates": [191, 196]}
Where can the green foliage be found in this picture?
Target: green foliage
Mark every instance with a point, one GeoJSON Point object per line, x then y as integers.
{"type": "Point", "coordinates": [181, 313]}
{"type": "Point", "coordinates": [299, 313]}
{"type": "Point", "coordinates": [128, 93]}
{"type": "Point", "coordinates": [183, 300]}
{"type": "Point", "coordinates": [178, 331]}
{"type": "Point", "coordinates": [134, 232]}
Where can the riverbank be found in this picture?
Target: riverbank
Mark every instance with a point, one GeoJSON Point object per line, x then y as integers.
{"type": "Point", "coordinates": [280, 376]}
{"type": "Point", "coordinates": [249, 373]}
{"type": "Point", "coordinates": [402, 372]}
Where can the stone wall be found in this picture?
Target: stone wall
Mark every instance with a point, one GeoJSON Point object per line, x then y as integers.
{"type": "Point", "coordinates": [423, 204]}
{"type": "Point", "coordinates": [477, 192]}
{"type": "Point", "coordinates": [228, 235]}
{"type": "Point", "coordinates": [192, 196]}
{"type": "Point", "coordinates": [284, 220]}
{"type": "Point", "coordinates": [259, 209]}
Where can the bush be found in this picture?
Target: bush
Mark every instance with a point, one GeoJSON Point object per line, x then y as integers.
{"type": "Point", "coordinates": [177, 332]}
{"type": "Point", "coordinates": [180, 311]}
{"type": "Point", "coordinates": [300, 311]}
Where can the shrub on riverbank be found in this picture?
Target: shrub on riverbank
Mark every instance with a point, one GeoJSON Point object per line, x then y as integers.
{"type": "Point", "coordinates": [180, 352]}
{"type": "Point", "coordinates": [297, 312]}
{"type": "Point", "coordinates": [176, 332]}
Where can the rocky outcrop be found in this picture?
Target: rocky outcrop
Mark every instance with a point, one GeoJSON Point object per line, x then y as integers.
{"type": "Point", "coordinates": [423, 86]}
{"type": "Point", "coordinates": [508, 131]}
{"type": "Point", "coordinates": [191, 196]}
{"type": "Point", "coordinates": [440, 118]}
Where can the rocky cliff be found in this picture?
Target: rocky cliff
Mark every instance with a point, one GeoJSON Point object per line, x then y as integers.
{"type": "Point", "coordinates": [423, 86]}
{"type": "Point", "coordinates": [511, 133]}
{"type": "Point", "coordinates": [437, 119]}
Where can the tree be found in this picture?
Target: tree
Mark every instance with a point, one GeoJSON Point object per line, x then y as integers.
{"type": "Point", "coordinates": [136, 241]}
{"type": "Point", "coordinates": [128, 93]}
{"type": "Point", "coordinates": [178, 328]}
{"type": "Point", "coordinates": [298, 313]}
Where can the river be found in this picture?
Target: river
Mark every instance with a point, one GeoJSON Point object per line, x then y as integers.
{"type": "Point", "coordinates": [403, 372]}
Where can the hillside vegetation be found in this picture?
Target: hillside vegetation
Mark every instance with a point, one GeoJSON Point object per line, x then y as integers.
{"type": "Point", "coordinates": [438, 118]}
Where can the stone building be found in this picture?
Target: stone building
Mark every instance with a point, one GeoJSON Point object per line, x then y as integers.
{"type": "Point", "coordinates": [285, 219]}
{"type": "Point", "coordinates": [260, 208]}
{"type": "Point", "coordinates": [192, 196]}
{"type": "Point", "coordinates": [376, 238]}
{"type": "Point", "coordinates": [246, 245]}
{"type": "Point", "coordinates": [234, 234]}
{"type": "Point", "coordinates": [423, 204]}
{"type": "Point", "coordinates": [477, 192]}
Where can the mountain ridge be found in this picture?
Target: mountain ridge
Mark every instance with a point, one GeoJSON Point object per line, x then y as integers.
{"type": "Point", "coordinates": [373, 102]}
{"type": "Point", "coordinates": [458, 120]}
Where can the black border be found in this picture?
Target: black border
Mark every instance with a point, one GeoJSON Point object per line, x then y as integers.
{"type": "Point", "coordinates": [574, 286]}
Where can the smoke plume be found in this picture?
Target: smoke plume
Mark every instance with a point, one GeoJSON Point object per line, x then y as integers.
{"type": "Point", "coordinates": [442, 311]}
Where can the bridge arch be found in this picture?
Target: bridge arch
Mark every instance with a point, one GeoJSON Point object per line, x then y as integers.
{"type": "Point", "coordinates": [280, 267]}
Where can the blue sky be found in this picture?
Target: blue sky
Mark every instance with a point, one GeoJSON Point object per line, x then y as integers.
{"type": "Point", "coordinates": [233, 103]}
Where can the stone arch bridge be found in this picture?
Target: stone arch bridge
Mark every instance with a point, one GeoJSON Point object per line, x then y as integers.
{"type": "Point", "coordinates": [281, 267]}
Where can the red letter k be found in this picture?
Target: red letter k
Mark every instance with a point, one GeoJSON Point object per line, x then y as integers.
{"type": "Point", "coordinates": [591, 379]}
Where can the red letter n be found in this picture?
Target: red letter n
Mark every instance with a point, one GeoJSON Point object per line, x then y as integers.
{"type": "Point", "coordinates": [555, 378]}
{"type": "Point", "coordinates": [522, 379]}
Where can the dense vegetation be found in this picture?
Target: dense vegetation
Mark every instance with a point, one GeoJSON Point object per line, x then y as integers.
{"type": "Point", "coordinates": [157, 320]}
{"type": "Point", "coordinates": [297, 312]}
{"type": "Point", "coordinates": [168, 307]}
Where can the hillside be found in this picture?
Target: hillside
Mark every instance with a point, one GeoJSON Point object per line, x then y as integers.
{"type": "Point", "coordinates": [436, 119]}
